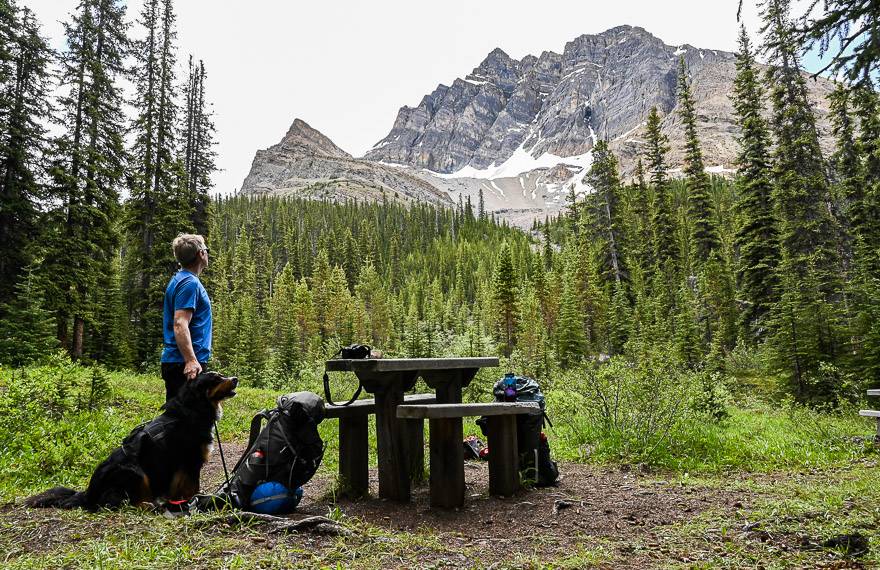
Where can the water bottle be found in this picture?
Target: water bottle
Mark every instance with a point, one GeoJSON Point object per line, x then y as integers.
{"type": "Point", "coordinates": [510, 387]}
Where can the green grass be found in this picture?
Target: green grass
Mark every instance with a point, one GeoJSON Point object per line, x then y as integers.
{"type": "Point", "coordinates": [757, 437]}
{"type": "Point", "coordinates": [40, 448]}
{"type": "Point", "coordinates": [792, 514]}
{"type": "Point", "coordinates": [808, 475]}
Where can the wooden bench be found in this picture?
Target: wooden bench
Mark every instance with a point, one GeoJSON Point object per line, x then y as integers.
{"type": "Point", "coordinates": [872, 413]}
{"type": "Point", "coordinates": [446, 450]}
{"type": "Point", "coordinates": [354, 453]}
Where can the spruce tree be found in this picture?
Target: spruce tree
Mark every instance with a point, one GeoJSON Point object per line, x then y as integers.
{"type": "Point", "coordinates": [865, 217]}
{"type": "Point", "coordinates": [87, 169]}
{"type": "Point", "coordinates": [806, 228]}
{"type": "Point", "coordinates": [199, 156]}
{"type": "Point", "coordinates": [158, 208]}
{"type": "Point", "coordinates": [847, 178]}
{"type": "Point", "coordinates": [756, 234]}
{"type": "Point", "coordinates": [27, 329]}
{"type": "Point", "coordinates": [548, 244]}
{"type": "Point", "coordinates": [662, 218]}
{"type": "Point", "coordinates": [505, 293]}
{"type": "Point", "coordinates": [704, 231]}
{"type": "Point", "coordinates": [847, 29]}
{"type": "Point", "coordinates": [604, 179]}
{"type": "Point", "coordinates": [373, 295]}
{"type": "Point", "coordinates": [24, 105]}
{"type": "Point", "coordinates": [571, 341]}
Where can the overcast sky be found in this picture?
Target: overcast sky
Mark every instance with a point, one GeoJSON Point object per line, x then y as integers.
{"type": "Point", "coordinates": [347, 67]}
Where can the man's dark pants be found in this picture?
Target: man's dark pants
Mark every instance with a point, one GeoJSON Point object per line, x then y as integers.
{"type": "Point", "coordinates": [172, 374]}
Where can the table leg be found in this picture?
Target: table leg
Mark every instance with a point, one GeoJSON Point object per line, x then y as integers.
{"type": "Point", "coordinates": [446, 437]}
{"type": "Point", "coordinates": [503, 456]}
{"type": "Point", "coordinates": [391, 447]}
{"type": "Point", "coordinates": [447, 463]}
{"type": "Point", "coordinates": [415, 445]}
{"type": "Point", "coordinates": [354, 472]}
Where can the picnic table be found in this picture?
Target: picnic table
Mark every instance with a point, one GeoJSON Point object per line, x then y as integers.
{"type": "Point", "coordinates": [873, 413]}
{"type": "Point", "coordinates": [388, 379]}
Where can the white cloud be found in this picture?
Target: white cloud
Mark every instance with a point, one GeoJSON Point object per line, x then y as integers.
{"type": "Point", "coordinates": [346, 67]}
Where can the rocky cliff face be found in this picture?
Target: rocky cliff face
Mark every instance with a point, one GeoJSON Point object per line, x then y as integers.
{"type": "Point", "coordinates": [558, 104]}
{"type": "Point", "coordinates": [521, 131]}
{"type": "Point", "coordinates": [307, 163]}
{"type": "Point", "coordinates": [601, 85]}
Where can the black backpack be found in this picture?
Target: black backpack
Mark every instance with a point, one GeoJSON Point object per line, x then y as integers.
{"type": "Point", "coordinates": [287, 450]}
{"type": "Point", "coordinates": [534, 451]}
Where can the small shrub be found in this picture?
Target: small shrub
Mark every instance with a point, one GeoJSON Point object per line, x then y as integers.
{"type": "Point", "coordinates": [711, 398]}
{"type": "Point", "coordinates": [627, 410]}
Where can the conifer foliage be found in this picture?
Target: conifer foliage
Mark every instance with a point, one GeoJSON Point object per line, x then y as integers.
{"type": "Point", "coordinates": [171, 177]}
{"type": "Point", "coordinates": [704, 234]}
{"type": "Point", "coordinates": [757, 233]}
{"type": "Point", "coordinates": [783, 261]}
{"type": "Point", "coordinates": [88, 166]}
{"type": "Point", "coordinates": [24, 103]}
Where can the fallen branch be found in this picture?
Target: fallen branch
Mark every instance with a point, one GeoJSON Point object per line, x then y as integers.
{"type": "Point", "coordinates": [316, 524]}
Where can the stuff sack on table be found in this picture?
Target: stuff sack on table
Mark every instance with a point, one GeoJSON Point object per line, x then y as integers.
{"type": "Point", "coordinates": [534, 451]}
{"type": "Point", "coordinates": [281, 456]}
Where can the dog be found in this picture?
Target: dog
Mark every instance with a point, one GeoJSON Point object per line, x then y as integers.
{"type": "Point", "coordinates": [160, 460]}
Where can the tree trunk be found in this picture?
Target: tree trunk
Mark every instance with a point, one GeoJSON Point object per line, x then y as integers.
{"type": "Point", "coordinates": [76, 349]}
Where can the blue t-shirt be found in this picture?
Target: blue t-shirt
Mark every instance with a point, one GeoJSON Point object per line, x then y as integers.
{"type": "Point", "coordinates": [185, 291]}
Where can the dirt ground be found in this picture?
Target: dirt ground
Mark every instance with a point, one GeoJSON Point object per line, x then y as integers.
{"type": "Point", "coordinates": [617, 510]}
{"type": "Point", "coordinates": [607, 517]}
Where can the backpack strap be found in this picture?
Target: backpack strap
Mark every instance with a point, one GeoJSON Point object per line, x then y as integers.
{"type": "Point", "coordinates": [256, 426]}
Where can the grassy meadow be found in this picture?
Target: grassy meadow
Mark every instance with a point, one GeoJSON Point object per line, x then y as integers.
{"type": "Point", "coordinates": [807, 472]}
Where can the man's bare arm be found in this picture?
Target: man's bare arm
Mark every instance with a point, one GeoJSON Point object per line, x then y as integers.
{"type": "Point", "coordinates": [191, 367]}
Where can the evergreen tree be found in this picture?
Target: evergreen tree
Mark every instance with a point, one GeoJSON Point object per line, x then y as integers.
{"type": "Point", "coordinates": [199, 156]}
{"type": "Point", "coordinates": [24, 105]}
{"type": "Point", "coordinates": [809, 261]}
{"type": "Point", "coordinates": [88, 161]}
{"type": "Point", "coordinates": [662, 219]}
{"type": "Point", "coordinates": [504, 293]}
{"type": "Point", "coordinates": [688, 340]}
{"type": "Point", "coordinates": [636, 225]}
{"type": "Point", "coordinates": [571, 341]}
{"type": "Point", "coordinates": [548, 244]}
{"type": "Point", "coordinates": [864, 220]}
{"type": "Point", "coordinates": [605, 181]}
{"type": "Point", "coordinates": [372, 294]}
{"type": "Point", "coordinates": [27, 330]}
{"type": "Point", "coordinates": [756, 234]}
{"type": "Point", "coordinates": [704, 234]}
{"type": "Point", "coordinates": [848, 29]}
{"type": "Point", "coordinates": [847, 177]}
{"type": "Point", "coordinates": [283, 332]}
{"type": "Point", "coordinates": [158, 208]}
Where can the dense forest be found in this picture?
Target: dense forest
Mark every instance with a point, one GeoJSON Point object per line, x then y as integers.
{"type": "Point", "coordinates": [778, 267]}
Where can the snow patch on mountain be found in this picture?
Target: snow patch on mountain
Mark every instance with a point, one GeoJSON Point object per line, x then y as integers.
{"type": "Point", "coordinates": [520, 162]}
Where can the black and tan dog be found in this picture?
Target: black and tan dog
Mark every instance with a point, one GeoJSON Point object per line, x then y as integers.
{"type": "Point", "coordinates": [158, 460]}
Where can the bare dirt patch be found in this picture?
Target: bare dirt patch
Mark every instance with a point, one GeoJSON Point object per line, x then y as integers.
{"type": "Point", "coordinates": [604, 516]}
{"type": "Point", "coordinates": [592, 510]}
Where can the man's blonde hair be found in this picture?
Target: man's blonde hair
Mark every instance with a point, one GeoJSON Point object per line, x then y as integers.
{"type": "Point", "coordinates": [186, 248]}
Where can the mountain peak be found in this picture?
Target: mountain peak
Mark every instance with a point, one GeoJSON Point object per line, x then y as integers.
{"type": "Point", "coordinates": [301, 134]}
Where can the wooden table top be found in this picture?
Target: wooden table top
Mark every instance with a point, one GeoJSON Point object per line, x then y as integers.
{"type": "Point", "coordinates": [409, 364]}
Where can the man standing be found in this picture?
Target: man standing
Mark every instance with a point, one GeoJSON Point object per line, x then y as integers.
{"type": "Point", "coordinates": [186, 322]}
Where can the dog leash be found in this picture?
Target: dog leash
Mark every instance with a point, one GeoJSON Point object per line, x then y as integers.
{"type": "Point", "coordinates": [222, 457]}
